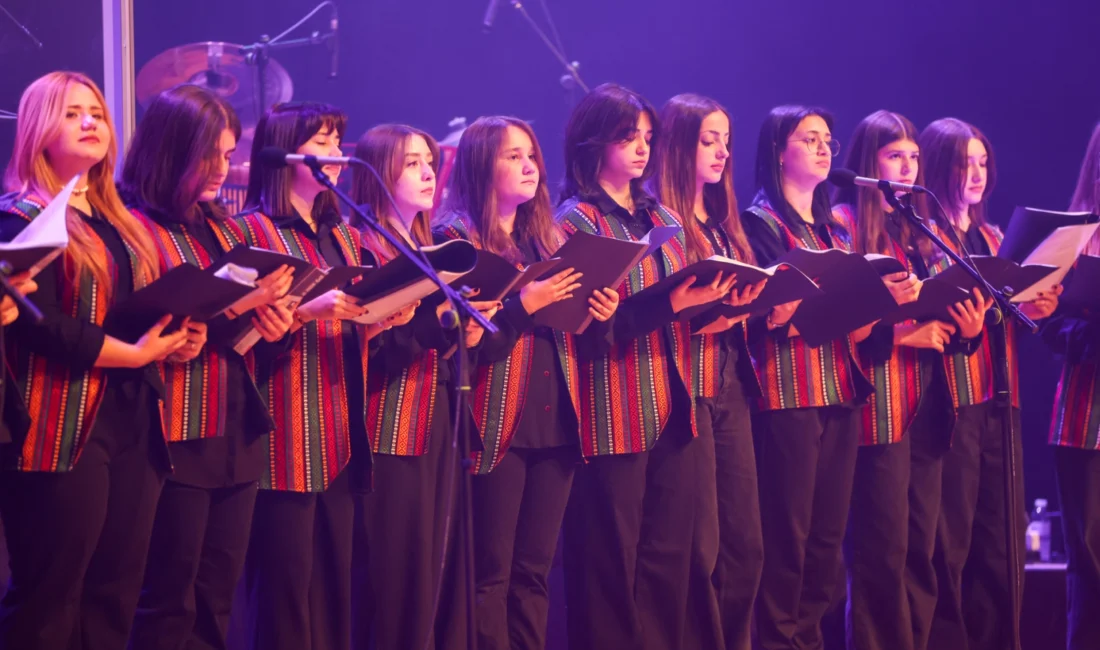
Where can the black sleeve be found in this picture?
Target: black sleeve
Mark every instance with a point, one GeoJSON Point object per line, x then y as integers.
{"type": "Point", "coordinates": [58, 337]}
{"type": "Point", "coordinates": [398, 347]}
{"type": "Point", "coordinates": [1077, 339]}
{"type": "Point", "coordinates": [513, 321]}
{"type": "Point", "coordinates": [638, 316]}
{"type": "Point", "coordinates": [767, 247]}
{"type": "Point", "coordinates": [879, 346]}
{"type": "Point", "coordinates": [968, 347]}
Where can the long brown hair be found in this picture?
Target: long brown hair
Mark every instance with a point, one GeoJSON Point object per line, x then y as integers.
{"type": "Point", "coordinates": [383, 147]}
{"type": "Point", "coordinates": [1086, 196]}
{"type": "Point", "coordinates": [943, 148]}
{"type": "Point", "coordinates": [472, 197]}
{"type": "Point", "coordinates": [876, 131]}
{"type": "Point", "coordinates": [608, 115]}
{"type": "Point", "coordinates": [288, 127]}
{"type": "Point", "coordinates": [674, 177]}
{"type": "Point", "coordinates": [29, 171]}
{"type": "Point", "coordinates": [174, 153]}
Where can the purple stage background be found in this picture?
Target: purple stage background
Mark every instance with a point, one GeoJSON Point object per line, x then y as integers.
{"type": "Point", "coordinates": [1024, 72]}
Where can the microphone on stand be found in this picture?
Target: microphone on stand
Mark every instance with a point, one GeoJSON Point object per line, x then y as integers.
{"type": "Point", "coordinates": [848, 178]}
{"type": "Point", "coordinates": [274, 157]}
{"type": "Point", "coordinates": [334, 43]}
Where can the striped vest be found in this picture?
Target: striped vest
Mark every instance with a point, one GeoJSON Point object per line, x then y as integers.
{"type": "Point", "coordinates": [1076, 421]}
{"type": "Point", "coordinates": [194, 392]}
{"type": "Point", "coordinates": [792, 374]}
{"type": "Point", "coordinates": [627, 391]}
{"type": "Point", "coordinates": [706, 348]}
{"type": "Point", "coordinates": [897, 381]}
{"type": "Point", "coordinates": [304, 389]}
{"type": "Point", "coordinates": [970, 377]}
{"type": "Point", "coordinates": [61, 402]}
{"type": "Point", "coordinates": [401, 406]}
{"type": "Point", "coordinates": [499, 389]}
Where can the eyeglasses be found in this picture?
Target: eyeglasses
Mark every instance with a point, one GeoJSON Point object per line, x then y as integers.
{"type": "Point", "coordinates": [814, 144]}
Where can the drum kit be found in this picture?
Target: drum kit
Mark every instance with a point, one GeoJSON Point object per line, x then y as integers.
{"type": "Point", "coordinates": [251, 81]}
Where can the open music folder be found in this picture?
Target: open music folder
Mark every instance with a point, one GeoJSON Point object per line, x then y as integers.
{"type": "Point", "coordinates": [604, 262]}
{"type": "Point", "coordinates": [390, 287]}
{"type": "Point", "coordinates": [785, 284]}
{"type": "Point", "coordinates": [495, 278]}
{"type": "Point", "coordinates": [44, 238]}
{"type": "Point", "coordinates": [185, 291]}
{"type": "Point", "coordinates": [1044, 237]}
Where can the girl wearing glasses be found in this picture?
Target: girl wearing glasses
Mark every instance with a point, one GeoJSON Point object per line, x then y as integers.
{"type": "Point", "coordinates": [807, 427]}
{"type": "Point", "coordinates": [960, 169]}
{"type": "Point", "coordinates": [901, 432]}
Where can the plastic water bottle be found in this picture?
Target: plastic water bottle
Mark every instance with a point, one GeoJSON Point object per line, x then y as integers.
{"type": "Point", "coordinates": [1037, 540]}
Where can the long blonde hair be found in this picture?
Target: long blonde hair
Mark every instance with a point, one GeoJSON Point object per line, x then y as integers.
{"type": "Point", "coordinates": [29, 172]}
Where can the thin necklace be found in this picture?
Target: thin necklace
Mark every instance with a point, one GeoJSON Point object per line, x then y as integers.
{"type": "Point", "coordinates": [80, 190]}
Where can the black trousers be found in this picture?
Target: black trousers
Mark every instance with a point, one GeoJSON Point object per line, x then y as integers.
{"type": "Point", "coordinates": [1078, 473]}
{"type": "Point", "coordinates": [197, 555]}
{"type": "Point", "coordinates": [875, 550]}
{"type": "Point", "coordinates": [728, 554]}
{"type": "Point", "coordinates": [628, 531]}
{"type": "Point", "coordinates": [518, 511]}
{"type": "Point", "coordinates": [401, 539]}
{"type": "Point", "coordinates": [806, 463]}
{"type": "Point", "coordinates": [971, 557]}
{"type": "Point", "coordinates": [929, 441]}
{"type": "Point", "coordinates": [77, 543]}
{"type": "Point", "coordinates": [298, 571]}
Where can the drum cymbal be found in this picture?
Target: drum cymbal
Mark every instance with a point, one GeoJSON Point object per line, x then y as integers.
{"type": "Point", "coordinates": [224, 69]}
{"type": "Point", "coordinates": [220, 67]}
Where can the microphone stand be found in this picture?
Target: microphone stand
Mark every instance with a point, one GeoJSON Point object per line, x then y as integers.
{"type": "Point", "coordinates": [1003, 395]}
{"type": "Point", "coordinates": [25, 305]}
{"type": "Point", "coordinates": [258, 54]}
{"type": "Point", "coordinates": [571, 76]}
{"type": "Point", "coordinates": [460, 312]}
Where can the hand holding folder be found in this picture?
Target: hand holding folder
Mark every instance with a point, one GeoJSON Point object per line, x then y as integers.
{"type": "Point", "coordinates": [185, 292]}
{"type": "Point", "coordinates": [1046, 238]}
{"type": "Point", "coordinates": [385, 290]}
{"type": "Point", "coordinates": [603, 262]}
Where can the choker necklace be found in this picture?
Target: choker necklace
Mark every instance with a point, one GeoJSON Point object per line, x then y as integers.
{"type": "Point", "coordinates": [80, 190]}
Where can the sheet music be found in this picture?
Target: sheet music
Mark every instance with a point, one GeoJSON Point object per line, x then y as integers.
{"type": "Point", "coordinates": [1060, 249]}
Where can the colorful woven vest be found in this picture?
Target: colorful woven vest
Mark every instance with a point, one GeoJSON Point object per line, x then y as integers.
{"type": "Point", "coordinates": [626, 392]}
{"type": "Point", "coordinates": [897, 381]}
{"type": "Point", "coordinates": [194, 392]}
{"type": "Point", "coordinates": [401, 406]}
{"type": "Point", "coordinates": [1076, 421]}
{"type": "Point", "coordinates": [305, 389]}
{"type": "Point", "coordinates": [970, 377]}
{"type": "Point", "coordinates": [61, 402]}
{"type": "Point", "coordinates": [499, 389]}
{"type": "Point", "coordinates": [792, 374]}
{"type": "Point", "coordinates": [706, 348]}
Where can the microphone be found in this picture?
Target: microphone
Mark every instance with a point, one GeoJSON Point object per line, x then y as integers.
{"type": "Point", "coordinates": [334, 43]}
{"type": "Point", "coordinates": [274, 157]}
{"type": "Point", "coordinates": [490, 15]}
{"type": "Point", "coordinates": [848, 178]}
